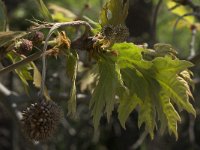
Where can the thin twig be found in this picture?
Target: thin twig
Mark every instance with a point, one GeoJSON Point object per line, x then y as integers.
{"type": "Point", "coordinates": [191, 129]}
{"type": "Point", "coordinates": [51, 31]}
{"type": "Point", "coordinates": [177, 21]}
{"type": "Point", "coordinates": [139, 141]}
{"type": "Point", "coordinates": [21, 63]}
{"type": "Point", "coordinates": [192, 44]}
{"type": "Point", "coordinates": [37, 55]}
{"type": "Point", "coordinates": [190, 3]}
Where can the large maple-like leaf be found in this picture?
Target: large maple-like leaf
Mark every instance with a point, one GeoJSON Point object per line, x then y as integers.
{"type": "Point", "coordinates": [103, 97]}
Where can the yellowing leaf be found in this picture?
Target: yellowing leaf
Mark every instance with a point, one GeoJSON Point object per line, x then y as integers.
{"type": "Point", "coordinates": [169, 81]}
{"type": "Point", "coordinates": [170, 113]}
{"type": "Point", "coordinates": [180, 11]}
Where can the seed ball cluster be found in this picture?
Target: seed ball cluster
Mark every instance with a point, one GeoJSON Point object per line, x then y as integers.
{"type": "Point", "coordinates": [40, 120]}
{"type": "Point", "coordinates": [24, 46]}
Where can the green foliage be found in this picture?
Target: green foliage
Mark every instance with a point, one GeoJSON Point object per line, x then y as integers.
{"type": "Point", "coordinates": [3, 16]}
{"type": "Point", "coordinates": [7, 38]}
{"type": "Point", "coordinates": [104, 94]}
{"type": "Point", "coordinates": [114, 12]}
{"type": "Point", "coordinates": [22, 72]}
{"type": "Point", "coordinates": [181, 10]}
{"type": "Point", "coordinates": [130, 104]}
{"type": "Point", "coordinates": [154, 87]}
{"type": "Point", "coordinates": [72, 66]}
{"type": "Point", "coordinates": [153, 82]}
{"type": "Point", "coordinates": [44, 11]}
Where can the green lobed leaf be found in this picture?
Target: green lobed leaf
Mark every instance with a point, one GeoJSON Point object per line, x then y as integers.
{"type": "Point", "coordinates": [153, 86]}
{"type": "Point", "coordinates": [169, 66]}
{"type": "Point", "coordinates": [162, 49]}
{"type": "Point", "coordinates": [44, 11]}
{"type": "Point", "coordinates": [88, 81]}
{"type": "Point", "coordinates": [170, 113]}
{"type": "Point", "coordinates": [114, 12]}
{"type": "Point", "coordinates": [158, 84]}
{"type": "Point", "coordinates": [154, 89]}
{"type": "Point", "coordinates": [72, 67]}
{"type": "Point", "coordinates": [126, 106]}
{"type": "Point", "coordinates": [147, 115]}
{"type": "Point", "coordinates": [130, 55]}
{"type": "Point", "coordinates": [135, 81]}
{"type": "Point", "coordinates": [103, 98]}
{"type": "Point", "coordinates": [166, 75]}
{"type": "Point", "coordinates": [186, 75]}
{"type": "Point", "coordinates": [187, 86]}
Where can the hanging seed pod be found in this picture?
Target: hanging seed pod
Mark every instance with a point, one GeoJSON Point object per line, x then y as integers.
{"type": "Point", "coordinates": [23, 46]}
{"type": "Point", "coordinates": [40, 120]}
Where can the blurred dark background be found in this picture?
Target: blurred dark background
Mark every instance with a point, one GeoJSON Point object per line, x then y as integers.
{"type": "Point", "coordinates": [78, 134]}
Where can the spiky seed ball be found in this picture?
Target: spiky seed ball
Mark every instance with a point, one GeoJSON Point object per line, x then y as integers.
{"type": "Point", "coordinates": [40, 120]}
{"type": "Point", "coordinates": [118, 33]}
{"type": "Point", "coordinates": [121, 33]}
{"type": "Point", "coordinates": [37, 37]}
{"type": "Point", "coordinates": [108, 32]}
{"type": "Point", "coordinates": [23, 46]}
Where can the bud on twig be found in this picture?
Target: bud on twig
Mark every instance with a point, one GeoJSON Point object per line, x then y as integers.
{"type": "Point", "coordinates": [23, 46]}
{"type": "Point", "coordinates": [37, 37]}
